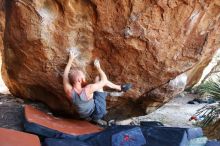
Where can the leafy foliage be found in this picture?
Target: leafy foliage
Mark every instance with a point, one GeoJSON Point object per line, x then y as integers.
{"type": "Point", "coordinates": [211, 87]}
{"type": "Point", "coordinates": [210, 113]}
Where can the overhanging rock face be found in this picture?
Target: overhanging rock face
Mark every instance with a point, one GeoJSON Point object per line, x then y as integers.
{"type": "Point", "coordinates": [2, 24]}
{"type": "Point", "coordinates": [147, 43]}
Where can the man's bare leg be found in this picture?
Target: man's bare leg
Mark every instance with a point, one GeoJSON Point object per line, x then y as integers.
{"type": "Point", "coordinates": [104, 79]}
{"type": "Point", "coordinates": [108, 84]}
{"type": "Point", "coordinates": [122, 88]}
{"type": "Point", "coordinates": [113, 86]}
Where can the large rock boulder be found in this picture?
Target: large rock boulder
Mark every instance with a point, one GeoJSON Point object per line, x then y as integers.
{"type": "Point", "coordinates": [3, 88]}
{"type": "Point", "coordinates": [147, 43]}
{"type": "Point", "coordinates": [2, 24]}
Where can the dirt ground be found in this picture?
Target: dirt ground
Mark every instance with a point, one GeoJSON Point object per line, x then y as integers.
{"type": "Point", "coordinates": [174, 113]}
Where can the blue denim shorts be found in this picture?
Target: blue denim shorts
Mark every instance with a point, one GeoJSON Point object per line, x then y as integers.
{"type": "Point", "coordinates": [100, 105]}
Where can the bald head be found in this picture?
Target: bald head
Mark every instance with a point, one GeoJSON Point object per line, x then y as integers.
{"type": "Point", "coordinates": [77, 75]}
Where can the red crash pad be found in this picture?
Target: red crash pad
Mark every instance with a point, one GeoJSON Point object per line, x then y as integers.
{"type": "Point", "coordinates": [15, 138]}
{"type": "Point", "coordinates": [68, 126]}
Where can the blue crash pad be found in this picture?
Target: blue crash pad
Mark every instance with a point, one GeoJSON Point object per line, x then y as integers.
{"type": "Point", "coordinates": [201, 141]}
{"type": "Point", "coordinates": [213, 143]}
{"type": "Point", "coordinates": [165, 136]}
{"type": "Point", "coordinates": [114, 135]}
{"type": "Point", "coordinates": [64, 142]}
{"type": "Point", "coordinates": [194, 132]}
{"type": "Point", "coordinates": [129, 137]}
{"type": "Point", "coordinates": [149, 133]}
{"type": "Point", "coordinates": [154, 136]}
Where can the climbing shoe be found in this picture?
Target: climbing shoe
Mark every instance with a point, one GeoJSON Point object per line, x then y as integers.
{"type": "Point", "coordinates": [115, 94]}
{"type": "Point", "coordinates": [100, 122]}
{"type": "Point", "coordinates": [111, 122]}
{"type": "Point", "coordinates": [126, 87]}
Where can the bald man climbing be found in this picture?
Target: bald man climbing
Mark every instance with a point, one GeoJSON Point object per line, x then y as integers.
{"type": "Point", "coordinates": [89, 100]}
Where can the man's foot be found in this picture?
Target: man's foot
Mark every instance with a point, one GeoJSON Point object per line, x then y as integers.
{"type": "Point", "coordinates": [100, 122]}
{"type": "Point", "coordinates": [126, 87]}
{"type": "Point", "coordinates": [111, 122]}
{"type": "Point", "coordinates": [115, 94]}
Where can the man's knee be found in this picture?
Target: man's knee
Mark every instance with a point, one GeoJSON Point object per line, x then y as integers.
{"type": "Point", "coordinates": [100, 90]}
{"type": "Point", "coordinates": [97, 79]}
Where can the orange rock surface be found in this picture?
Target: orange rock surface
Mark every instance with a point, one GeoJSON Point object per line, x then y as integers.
{"type": "Point", "coordinates": [2, 24]}
{"type": "Point", "coordinates": [147, 43]}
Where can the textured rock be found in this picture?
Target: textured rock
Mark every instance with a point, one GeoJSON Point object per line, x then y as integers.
{"type": "Point", "coordinates": [3, 88]}
{"type": "Point", "coordinates": [157, 97]}
{"type": "Point", "coordinates": [2, 26]}
{"type": "Point", "coordinates": [147, 43]}
{"type": "Point", "coordinates": [195, 73]}
{"type": "Point", "coordinates": [2, 23]}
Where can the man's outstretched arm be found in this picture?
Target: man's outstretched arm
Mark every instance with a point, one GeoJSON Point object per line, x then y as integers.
{"type": "Point", "coordinates": [66, 83]}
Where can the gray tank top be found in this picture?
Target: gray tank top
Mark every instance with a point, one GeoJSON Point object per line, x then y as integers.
{"type": "Point", "coordinates": [83, 106]}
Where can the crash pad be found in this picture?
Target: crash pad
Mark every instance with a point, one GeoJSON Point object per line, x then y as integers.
{"type": "Point", "coordinates": [50, 123]}
{"type": "Point", "coordinates": [195, 132]}
{"type": "Point", "coordinates": [213, 143]}
{"type": "Point", "coordinates": [14, 138]}
{"type": "Point", "coordinates": [64, 142]}
{"type": "Point", "coordinates": [201, 141]}
{"type": "Point", "coordinates": [154, 136]}
{"type": "Point", "coordinates": [131, 135]}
